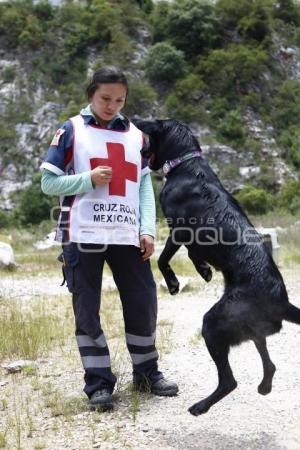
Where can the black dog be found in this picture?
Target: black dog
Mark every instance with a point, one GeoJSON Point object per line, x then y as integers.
{"type": "Point", "coordinates": [205, 218]}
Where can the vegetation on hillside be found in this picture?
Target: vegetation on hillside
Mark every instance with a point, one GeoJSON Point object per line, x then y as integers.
{"type": "Point", "coordinates": [207, 63]}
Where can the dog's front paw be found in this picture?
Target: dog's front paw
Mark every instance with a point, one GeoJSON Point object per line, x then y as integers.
{"type": "Point", "coordinates": [207, 274]}
{"type": "Point", "coordinates": [199, 408]}
{"type": "Point", "coordinates": [171, 281]}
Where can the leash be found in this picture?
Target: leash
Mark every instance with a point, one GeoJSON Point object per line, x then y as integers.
{"type": "Point", "coordinates": [172, 163]}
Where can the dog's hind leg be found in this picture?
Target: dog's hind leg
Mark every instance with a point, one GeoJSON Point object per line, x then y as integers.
{"type": "Point", "coordinates": [163, 265]}
{"type": "Point", "coordinates": [265, 386]}
{"type": "Point", "coordinates": [201, 266]}
{"type": "Point", "coordinates": [219, 350]}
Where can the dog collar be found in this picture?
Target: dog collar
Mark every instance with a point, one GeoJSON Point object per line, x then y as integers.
{"type": "Point", "coordinates": [172, 163]}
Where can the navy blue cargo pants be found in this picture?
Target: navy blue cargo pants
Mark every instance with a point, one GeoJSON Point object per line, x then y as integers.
{"type": "Point", "coordinates": [83, 267]}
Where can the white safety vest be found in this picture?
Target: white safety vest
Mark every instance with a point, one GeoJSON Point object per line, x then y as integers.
{"type": "Point", "coordinates": [109, 214]}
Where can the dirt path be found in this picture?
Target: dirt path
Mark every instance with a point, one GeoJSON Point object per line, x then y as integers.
{"type": "Point", "coordinates": [243, 420]}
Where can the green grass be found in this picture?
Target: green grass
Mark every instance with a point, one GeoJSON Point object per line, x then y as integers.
{"type": "Point", "coordinates": [276, 218]}
{"type": "Point", "coordinates": [164, 342]}
{"type": "Point", "coordinates": [288, 235]}
{"type": "Point", "coordinates": [289, 251]}
{"type": "Point", "coordinates": [196, 338]}
{"type": "Point", "coordinates": [2, 439]}
{"type": "Point", "coordinates": [180, 264]}
{"type": "Point", "coordinates": [43, 262]}
{"type": "Point", "coordinates": [43, 326]}
{"type": "Point", "coordinates": [61, 406]}
{"type": "Point", "coordinates": [29, 331]}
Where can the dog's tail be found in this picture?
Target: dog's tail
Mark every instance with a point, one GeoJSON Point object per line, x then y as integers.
{"type": "Point", "coordinates": [292, 314]}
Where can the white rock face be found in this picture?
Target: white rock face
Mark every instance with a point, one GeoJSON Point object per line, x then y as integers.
{"type": "Point", "coordinates": [247, 172]}
{"type": "Point", "coordinates": [7, 257]}
{"type": "Point", "coordinates": [8, 186]}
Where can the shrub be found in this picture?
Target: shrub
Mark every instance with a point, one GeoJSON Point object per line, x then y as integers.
{"type": "Point", "coordinates": [44, 11]}
{"type": "Point", "coordinates": [185, 101]}
{"type": "Point", "coordinates": [34, 206]}
{"type": "Point", "coordinates": [231, 127]}
{"type": "Point", "coordinates": [31, 36]}
{"type": "Point", "coordinates": [230, 12]}
{"type": "Point", "coordinates": [250, 18]}
{"type": "Point", "coordinates": [8, 74]}
{"type": "Point", "coordinates": [255, 201]}
{"type": "Point", "coordinates": [289, 196]}
{"type": "Point", "coordinates": [289, 141]}
{"type": "Point", "coordinates": [145, 5]}
{"type": "Point", "coordinates": [141, 99]}
{"type": "Point", "coordinates": [230, 72]}
{"type": "Point", "coordinates": [164, 63]}
{"type": "Point", "coordinates": [295, 154]}
{"type": "Point", "coordinates": [193, 26]}
{"type": "Point", "coordinates": [120, 48]}
{"type": "Point", "coordinates": [217, 107]}
{"type": "Point", "coordinates": [4, 221]}
{"type": "Point", "coordinates": [103, 17]}
{"type": "Point", "coordinates": [267, 178]}
{"type": "Point", "coordinates": [286, 110]}
{"type": "Point", "coordinates": [287, 10]}
{"type": "Point", "coordinates": [159, 20]}
{"type": "Point", "coordinates": [8, 148]}
{"type": "Point", "coordinates": [12, 22]}
{"type": "Point", "coordinates": [254, 27]}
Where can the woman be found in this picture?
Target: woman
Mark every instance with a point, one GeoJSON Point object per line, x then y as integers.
{"type": "Point", "coordinates": [107, 214]}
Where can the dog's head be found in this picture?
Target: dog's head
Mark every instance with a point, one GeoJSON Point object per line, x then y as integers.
{"type": "Point", "coordinates": [168, 139]}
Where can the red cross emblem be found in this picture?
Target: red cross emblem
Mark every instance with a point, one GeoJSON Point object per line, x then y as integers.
{"type": "Point", "coordinates": [122, 170]}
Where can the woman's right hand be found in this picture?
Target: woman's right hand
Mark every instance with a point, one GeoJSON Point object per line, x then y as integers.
{"type": "Point", "coordinates": [101, 175]}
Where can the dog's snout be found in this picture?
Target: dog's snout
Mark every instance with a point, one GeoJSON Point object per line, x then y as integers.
{"type": "Point", "coordinates": [145, 152]}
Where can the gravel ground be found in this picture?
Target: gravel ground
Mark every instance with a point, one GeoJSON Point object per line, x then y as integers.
{"type": "Point", "coordinates": [243, 420]}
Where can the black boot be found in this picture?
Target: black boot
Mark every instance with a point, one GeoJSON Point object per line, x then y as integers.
{"type": "Point", "coordinates": [102, 400]}
{"type": "Point", "coordinates": [161, 387]}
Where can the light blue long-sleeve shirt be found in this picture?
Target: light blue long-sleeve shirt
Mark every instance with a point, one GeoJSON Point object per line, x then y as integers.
{"type": "Point", "coordinates": [81, 183]}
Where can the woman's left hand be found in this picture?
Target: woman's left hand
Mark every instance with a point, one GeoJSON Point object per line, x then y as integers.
{"type": "Point", "coordinates": [147, 246]}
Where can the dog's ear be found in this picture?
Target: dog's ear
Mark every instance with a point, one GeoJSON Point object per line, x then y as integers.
{"type": "Point", "coordinates": [146, 126]}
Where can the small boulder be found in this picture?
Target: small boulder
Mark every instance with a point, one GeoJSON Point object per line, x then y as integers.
{"type": "Point", "coordinates": [18, 366]}
{"type": "Point", "coordinates": [7, 257]}
{"type": "Point", "coordinates": [48, 242]}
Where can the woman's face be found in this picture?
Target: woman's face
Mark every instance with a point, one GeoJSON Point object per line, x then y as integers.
{"type": "Point", "coordinates": [108, 100]}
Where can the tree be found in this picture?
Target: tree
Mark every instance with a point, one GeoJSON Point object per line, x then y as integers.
{"type": "Point", "coordinates": [31, 36]}
{"type": "Point", "coordinates": [256, 26]}
{"type": "Point", "coordinates": [231, 127]}
{"type": "Point", "coordinates": [34, 205]}
{"type": "Point", "coordinates": [12, 22]}
{"type": "Point", "coordinates": [289, 196]}
{"type": "Point", "coordinates": [164, 63]}
{"type": "Point", "coordinates": [250, 18]}
{"type": "Point", "coordinates": [103, 18]}
{"type": "Point", "coordinates": [255, 201]}
{"type": "Point", "coordinates": [141, 99]}
{"type": "Point", "coordinates": [287, 10]}
{"type": "Point", "coordinates": [229, 72]}
{"type": "Point", "coordinates": [184, 101]}
{"type": "Point", "coordinates": [145, 5]}
{"type": "Point", "coordinates": [159, 19]}
{"type": "Point", "coordinates": [193, 27]}
{"type": "Point", "coordinates": [286, 111]}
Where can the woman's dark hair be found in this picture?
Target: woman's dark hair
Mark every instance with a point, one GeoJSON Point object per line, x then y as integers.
{"type": "Point", "coordinates": [105, 75]}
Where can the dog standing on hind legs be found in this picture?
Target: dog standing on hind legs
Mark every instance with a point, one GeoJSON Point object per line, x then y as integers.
{"type": "Point", "coordinates": [205, 218]}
